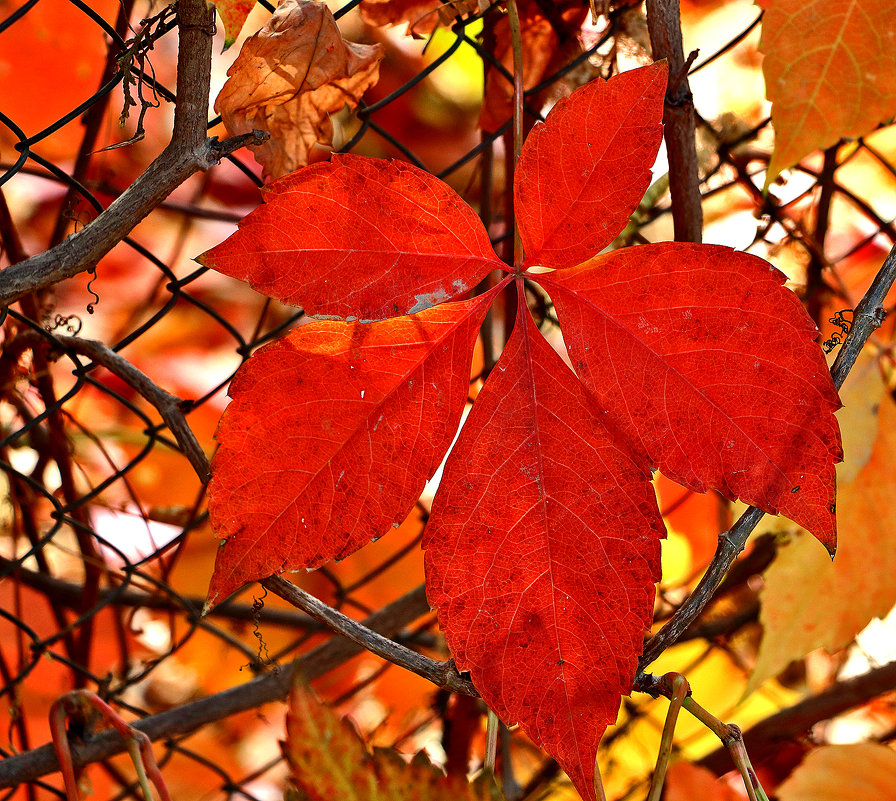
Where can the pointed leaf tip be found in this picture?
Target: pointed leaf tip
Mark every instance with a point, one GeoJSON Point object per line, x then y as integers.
{"type": "Point", "coordinates": [583, 172]}
{"type": "Point", "coordinates": [541, 554]}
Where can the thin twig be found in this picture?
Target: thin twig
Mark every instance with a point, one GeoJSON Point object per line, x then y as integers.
{"type": "Point", "coordinates": [66, 594]}
{"type": "Point", "coordinates": [867, 318]}
{"type": "Point", "coordinates": [169, 406]}
{"type": "Point", "coordinates": [680, 689]}
{"type": "Point", "coordinates": [516, 40]}
{"type": "Point", "coordinates": [664, 26]}
{"type": "Point", "coordinates": [272, 686]}
{"type": "Point", "coordinates": [442, 674]}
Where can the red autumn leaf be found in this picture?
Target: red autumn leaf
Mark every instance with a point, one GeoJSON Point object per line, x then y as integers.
{"type": "Point", "coordinates": [542, 548]}
{"type": "Point", "coordinates": [359, 238]}
{"type": "Point", "coordinates": [331, 435]}
{"type": "Point", "coordinates": [580, 178]}
{"type": "Point", "coordinates": [542, 553]}
{"type": "Point", "coordinates": [710, 364]}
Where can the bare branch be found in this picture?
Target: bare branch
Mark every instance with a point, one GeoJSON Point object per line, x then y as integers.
{"type": "Point", "coordinates": [169, 406]}
{"type": "Point", "coordinates": [442, 674]}
{"type": "Point", "coordinates": [188, 152]}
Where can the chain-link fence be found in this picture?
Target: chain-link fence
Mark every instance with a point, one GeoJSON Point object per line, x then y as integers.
{"type": "Point", "coordinates": [106, 552]}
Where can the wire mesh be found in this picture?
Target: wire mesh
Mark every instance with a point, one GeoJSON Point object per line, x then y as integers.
{"type": "Point", "coordinates": [106, 546]}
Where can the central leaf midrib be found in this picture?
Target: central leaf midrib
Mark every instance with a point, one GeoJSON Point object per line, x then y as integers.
{"type": "Point", "coordinates": [524, 313]}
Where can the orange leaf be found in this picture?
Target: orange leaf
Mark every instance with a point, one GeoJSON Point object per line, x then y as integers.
{"type": "Point", "coordinates": [858, 772]}
{"type": "Point", "coordinates": [549, 43]}
{"type": "Point", "coordinates": [288, 79]}
{"type": "Point", "coordinates": [422, 16]}
{"type": "Point", "coordinates": [829, 67]}
{"type": "Point", "coordinates": [688, 782]}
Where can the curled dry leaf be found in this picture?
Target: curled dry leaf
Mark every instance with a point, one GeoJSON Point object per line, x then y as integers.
{"type": "Point", "coordinates": [289, 78]}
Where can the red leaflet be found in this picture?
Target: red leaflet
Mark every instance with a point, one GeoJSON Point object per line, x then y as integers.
{"type": "Point", "coordinates": [359, 238]}
{"type": "Point", "coordinates": [331, 435]}
{"type": "Point", "coordinates": [542, 553]}
{"type": "Point", "coordinates": [543, 545]}
{"type": "Point", "coordinates": [582, 173]}
{"type": "Point", "coordinates": [710, 364]}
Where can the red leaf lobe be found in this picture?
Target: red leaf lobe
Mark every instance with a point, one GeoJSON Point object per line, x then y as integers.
{"type": "Point", "coordinates": [359, 238]}
{"type": "Point", "coordinates": [541, 554]}
{"type": "Point", "coordinates": [708, 363]}
{"type": "Point", "coordinates": [331, 435]}
{"type": "Point", "coordinates": [585, 169]}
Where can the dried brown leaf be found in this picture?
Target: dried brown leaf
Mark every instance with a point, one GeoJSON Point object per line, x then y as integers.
{"type": "Point", "coordinates": [289, 78]}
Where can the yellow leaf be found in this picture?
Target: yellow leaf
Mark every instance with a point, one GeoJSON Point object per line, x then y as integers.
{"type": "Point", "coordinates": [829, 67]}
{"type": "Point", "coordinates": [810, 602]}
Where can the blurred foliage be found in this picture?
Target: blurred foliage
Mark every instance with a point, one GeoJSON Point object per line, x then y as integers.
{"type": "Point", "coordinates": [104, 550]}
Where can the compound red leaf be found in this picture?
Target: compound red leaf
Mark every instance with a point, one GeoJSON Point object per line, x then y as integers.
{"type": "Point", "coordinates": [331, 435]}
{"type": "Point", "coordinates": [542, 552]}
{"type": "Point", "coordinates": [359, 238]}
{"type": "Point", "coordinates": [709, 364]}
{"type": "Point", "coordinates": [583, 172]}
